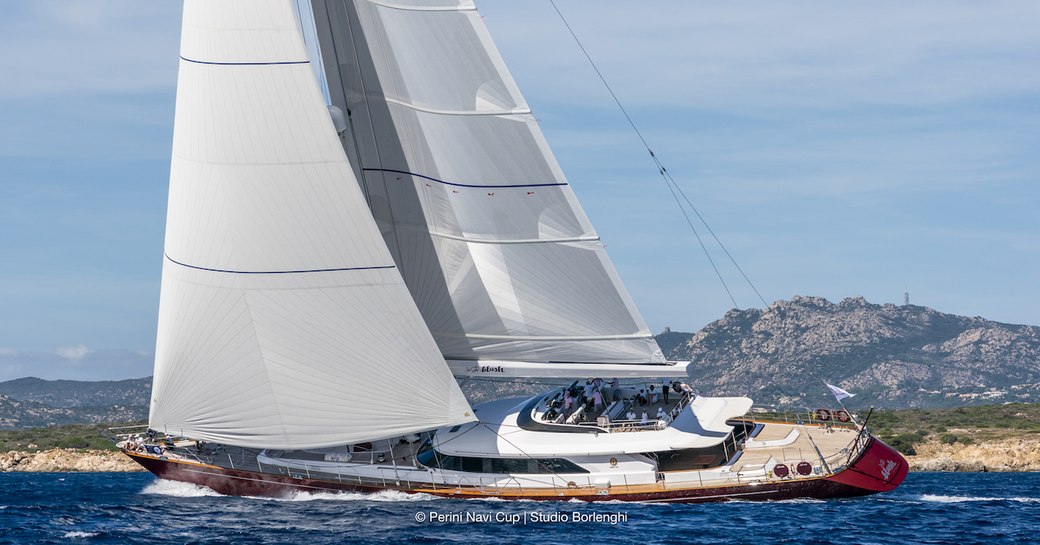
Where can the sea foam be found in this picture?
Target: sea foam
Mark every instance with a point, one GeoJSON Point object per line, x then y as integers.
{"type": "Point", "coordinates": [939, 498]}
{"type": "Point", "coordinates": [178, 489]}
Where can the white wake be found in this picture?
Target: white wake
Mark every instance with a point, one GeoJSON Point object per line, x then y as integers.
{"type": "Point", "coordinates": [178, 489]}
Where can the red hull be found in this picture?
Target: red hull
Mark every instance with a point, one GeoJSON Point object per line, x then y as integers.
{"type": "Point", "coordinates": [878, 469]}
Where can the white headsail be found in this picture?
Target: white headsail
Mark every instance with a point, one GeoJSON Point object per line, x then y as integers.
{"type": "Point", "coordinates": [502, 261]}
{"type": "Point", "coordinates": [284, 322]}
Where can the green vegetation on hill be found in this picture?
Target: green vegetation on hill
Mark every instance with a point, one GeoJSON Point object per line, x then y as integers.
{"type": "Point", "coordinates": [68, 436]}
{"type": "Point", "coordinates": [962, 425]}
{"type": "Point", "coordinates": [903, 429]}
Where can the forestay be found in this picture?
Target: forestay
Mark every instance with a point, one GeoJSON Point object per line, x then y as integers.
{"type": "Point", "coordinates": [502, 261]}
{"type": "Point", "coordinates": [283, 322]}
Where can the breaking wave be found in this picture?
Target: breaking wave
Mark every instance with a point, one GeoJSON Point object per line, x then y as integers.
{"type": "Point", "coordinates": [73, 535]}
{"type": "Point", "coordinates": [178, 489]}
{"type": "Point", "coordinates": [939, 498]}
{"type": "Point", "coordinates": [382, 495]}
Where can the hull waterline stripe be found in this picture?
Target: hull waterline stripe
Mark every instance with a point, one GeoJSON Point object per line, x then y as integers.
{"type": "Point", "coordinates": [454, 184]}
{"type": "Point", "coordinates": [172, 260]}
{"type": "Point", "coordinates": [183, 58]}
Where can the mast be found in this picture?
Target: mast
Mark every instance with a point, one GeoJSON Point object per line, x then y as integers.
{"type": "Point", "coordinates": [283, 320]}
{"type": "Point", "coordinates": [498, 254]}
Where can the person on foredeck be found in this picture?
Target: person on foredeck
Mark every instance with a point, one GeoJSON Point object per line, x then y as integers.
{"type": "Point", "coordinates": [665, 388]}
{"type": "Point", "coordinates": [645, 418]}
{"type": "Point", "coordinates": [651, 395]}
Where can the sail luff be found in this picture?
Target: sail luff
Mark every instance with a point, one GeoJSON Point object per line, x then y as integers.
{"type": "Point", "coordinates": [284, 322]}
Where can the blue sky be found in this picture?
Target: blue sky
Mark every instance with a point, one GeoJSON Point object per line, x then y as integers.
{"type": "Point", "coordinates": [837, 149]}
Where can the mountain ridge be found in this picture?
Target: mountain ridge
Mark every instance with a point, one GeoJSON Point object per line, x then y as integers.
{"type": "Point", "coordinates": [894, 356]}
{"type": "Point", "coordinates": [891, 356]}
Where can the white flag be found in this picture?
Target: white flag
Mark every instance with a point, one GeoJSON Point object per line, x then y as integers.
{"type": "Point", "coordinates": [839, 394]}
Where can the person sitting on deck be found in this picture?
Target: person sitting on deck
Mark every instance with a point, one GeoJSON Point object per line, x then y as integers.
{"type": "Point", "coordinates": [645, 418]}
{"type": "Point", "coordinates": [641, 397]}
{"type": "Point", "coordinates": [652, 395]}
{"type": "Point", "coordinates": [660, 413]}
{"type": "Point", "coordinates": [631, 415]}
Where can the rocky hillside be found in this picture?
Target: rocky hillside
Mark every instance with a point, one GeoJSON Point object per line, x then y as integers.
{"type": "Point", "coordinates": [16, 414]}
{"type": "Point", "coordinates": [77, 393]}
{"type": "Point", "coordinates": [33, 402]}
{"type": "Point", "coordinates": [892, 356]}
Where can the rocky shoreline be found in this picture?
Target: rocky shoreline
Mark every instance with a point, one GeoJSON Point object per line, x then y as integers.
{"type": "Point", "coordinates": [72, 460]}
{"type": "Point", "coordinates": [1004, 455]}
{"type": "Point", "coordinates": [1021, 454]}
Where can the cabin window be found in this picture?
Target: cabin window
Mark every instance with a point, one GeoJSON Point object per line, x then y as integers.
{"type": "Point", "coordinates": [429, 457]}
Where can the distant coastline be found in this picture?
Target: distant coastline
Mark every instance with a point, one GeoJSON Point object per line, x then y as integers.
{"type": "Point", "coordinates": [1007, 455]}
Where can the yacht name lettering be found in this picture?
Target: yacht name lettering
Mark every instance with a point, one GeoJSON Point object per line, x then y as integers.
{"type": "Point", "coordinates": [486, 369]}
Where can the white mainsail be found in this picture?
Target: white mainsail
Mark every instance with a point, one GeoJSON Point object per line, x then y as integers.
{"type": "Point", "coordinates": [283, 322]}
{"type": "Point", "coordinates": [499, 256]}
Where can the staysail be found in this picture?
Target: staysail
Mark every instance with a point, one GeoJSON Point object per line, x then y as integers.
{"type": "Point", "coordinates": [283, 321]}
{"type": "Point", "coordinates": [503, 264]}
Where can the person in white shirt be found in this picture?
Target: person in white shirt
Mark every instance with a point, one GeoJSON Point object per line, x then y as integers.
{"type": "Point", "coordinates": [645, 418]}
{"type": "Point", "coordinates": [630, 416]}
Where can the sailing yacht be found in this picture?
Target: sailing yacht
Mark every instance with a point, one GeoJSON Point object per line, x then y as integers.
{"type": "Point", "coordinates": [350, 231]}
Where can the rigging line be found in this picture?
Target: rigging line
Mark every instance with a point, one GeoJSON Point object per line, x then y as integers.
{"type": "Point", "coordinates": [699, 241]}
{"type": "Point", "coordinates": [719, 242]}
{"type": "Point", "coordinates": [664, 172]}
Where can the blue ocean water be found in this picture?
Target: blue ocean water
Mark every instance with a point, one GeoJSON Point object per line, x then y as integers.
{"type": "Point", "coordinates": [930, 508]}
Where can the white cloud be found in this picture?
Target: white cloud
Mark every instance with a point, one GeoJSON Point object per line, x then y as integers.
{"type": "Point", "coordinates": [5, 351]}
{"type": "Point", "coordinates": [76, 363]}
{"type": "Point", "coordinates": [73, 353]}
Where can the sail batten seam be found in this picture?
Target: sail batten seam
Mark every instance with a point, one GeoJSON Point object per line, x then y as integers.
{"type": "Point", "coordinates": [258, 63]}
{"type": "Point", "coordinates": [374, 267]}
{"type": "Point", "coordinates": [456, 184]}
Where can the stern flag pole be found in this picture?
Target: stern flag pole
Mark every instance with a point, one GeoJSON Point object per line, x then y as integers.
{"type": "Point", "coordinates": [840, 394]}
